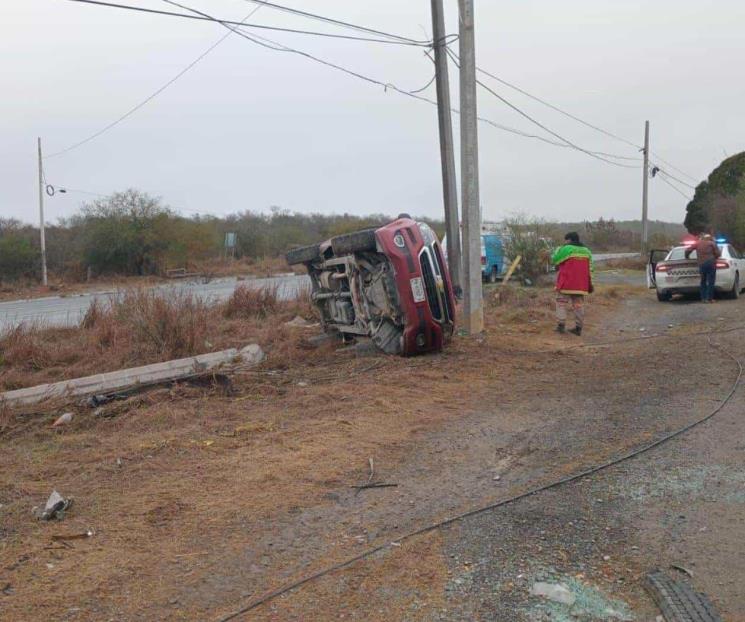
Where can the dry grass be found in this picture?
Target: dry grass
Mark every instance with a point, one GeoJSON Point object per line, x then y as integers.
{"type": "Point", "coordinates": [142, 327]}
{"type": "Point", "coordinates": [206, 479]}
{"type": "Point", "coordinates": [625, 263]}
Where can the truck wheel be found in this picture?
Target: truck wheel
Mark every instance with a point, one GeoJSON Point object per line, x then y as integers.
{"type": "Point", "coordinates": [678, 602]}
{"type": "Point", "coordinates": [304, 254]}
{"type": "Point", "coordinates": [492, 278]}
{"type": "Point", "coordinates": [356, 242]}
{"type": "Point", "coordinates": [664, 296]}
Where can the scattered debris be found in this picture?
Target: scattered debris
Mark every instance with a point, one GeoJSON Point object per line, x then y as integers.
{"type": "Point", "coordinates": [676, 599]}
{"type": "Point", "coordinates": [299, 322]}
{"type": "Point", "coordinates": [682, 569]}
{"type": "Point", "coordinates": [99, 400]}
{"type": "Point", "coordinates": [55, 507]}
{"type": "Point", "coordinates": [62, 420]}
{"type": "Point", "coordinates": [75, 536]}
{"type": "Point", "coordinates": [557, 592]}
{"type": "Point", "coordinates": [370, 483]}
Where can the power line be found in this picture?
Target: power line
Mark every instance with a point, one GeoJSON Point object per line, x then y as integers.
{"type": "Point", "coordinates": [273, 45]}
{"type": "Point", "coordinates": [674, 187]}
{"type": "Point", "coordinates": [585, 123]}
{"type": "Point", "coordinates": [691, 177]}
{"type": "Point", "coordinates": [680, 181]}
{"type": "Point", "coordinates": [541, 125]}
{"type": "Point", "coordinates": [258, 26]}
{"type": "Point", "coordinates": [557, 109]}
{"type": "Point", "coordinates": [150, 97]}
{"type": "Point", "coordinates": [336, 22]}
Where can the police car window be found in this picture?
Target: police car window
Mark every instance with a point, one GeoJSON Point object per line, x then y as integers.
{"type": "Point", "coordinates": [679, 253]}
{"type": "Point", "coordinates": [733, 252]}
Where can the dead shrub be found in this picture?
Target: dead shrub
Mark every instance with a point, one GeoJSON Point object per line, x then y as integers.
{"type": "Point", "coordinates": [22, 347]}
{"type": "Point", "coordinates": [93, 316]}
{"type": "Point", "coordinates": [252, 302]}
{"type": "Point", "coordinates": [173, 325]}
{"type": "Point", "coordinates": [302, 304]}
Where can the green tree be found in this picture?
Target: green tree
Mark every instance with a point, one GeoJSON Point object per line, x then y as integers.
{"type": "Point", "coordinates": [719, 202]}
{"type": "Point", "coordinates": [128, 233]}
{"type": "Point", "coordinates": [17, 257]}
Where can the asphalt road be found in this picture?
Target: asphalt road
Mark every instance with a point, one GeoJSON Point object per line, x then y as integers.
{"type": "Point", "coordinates": [69, 310]}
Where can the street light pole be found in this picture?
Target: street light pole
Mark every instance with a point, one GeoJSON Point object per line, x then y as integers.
{"type": "Point", "coordinates": [41, 221]}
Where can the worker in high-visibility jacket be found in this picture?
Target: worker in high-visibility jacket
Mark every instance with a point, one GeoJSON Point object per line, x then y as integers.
{"type": "Point", "coordinates": [573, 261]}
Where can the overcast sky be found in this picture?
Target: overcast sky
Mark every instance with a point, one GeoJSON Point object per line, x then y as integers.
{"type": "Point", "coordinates": [248, 127]}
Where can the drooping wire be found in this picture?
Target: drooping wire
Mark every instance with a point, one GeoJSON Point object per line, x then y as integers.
{"type": "Point", "coordinates": [336, 22]}
{"type": "Point", "coordinates": [150, 97]}
{"type": "Point", "coordinates": [557, 109]}
{"type": "Point", "coordinates": [671, 176]}
{"type": "Point", "coordinates": [274, 45]}
{"type": "Point", "coordinates": [244, 25]}
{"type": "Point", "coordinates": [691, 177]}
{"type": "Point", "coordinates": [569, 143]}
{"type": "Point", "coordinates": [663, 178]}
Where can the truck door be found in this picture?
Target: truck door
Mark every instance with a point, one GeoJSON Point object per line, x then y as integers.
{"type": "Point", "coordinates": [655, 257]}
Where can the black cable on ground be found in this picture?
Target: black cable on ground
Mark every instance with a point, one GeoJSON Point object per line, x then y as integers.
{"type": "Point", "coordinates": [556, 484]}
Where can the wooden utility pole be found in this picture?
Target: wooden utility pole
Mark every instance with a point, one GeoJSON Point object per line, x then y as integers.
{"type": "Point", "coordinates": [41, 221]}
{"type": "Point", "coordinates": [469, 163]}
{"type": "Point", "coordinates": [645, 192]}
{"type": "Point", "coordinates": [447, 150]}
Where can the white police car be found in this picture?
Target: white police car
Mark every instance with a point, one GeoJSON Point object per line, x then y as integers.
{"type": "Point", "coordinates": [670, 273]}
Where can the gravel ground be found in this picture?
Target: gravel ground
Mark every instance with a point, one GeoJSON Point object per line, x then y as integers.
{"type": "Point", "coordinates": [224, 499]}
{"type": "Point", "coordinates": [680, 504]}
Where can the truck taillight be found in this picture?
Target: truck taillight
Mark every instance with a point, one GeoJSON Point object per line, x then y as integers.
{"type": "Point", "coordinates": [483, 260]}
{"type": "Point", "coordinates": [661, 267]}
{"type": "Point", "coordinates": [722, 265]}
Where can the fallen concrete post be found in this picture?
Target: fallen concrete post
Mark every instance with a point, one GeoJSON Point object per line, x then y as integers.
{"type": "Point", "coordinates": [137, 376]}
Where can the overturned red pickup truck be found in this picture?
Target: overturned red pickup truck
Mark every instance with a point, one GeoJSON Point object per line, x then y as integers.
{"type": "Point", "coordinates": [389, 284]}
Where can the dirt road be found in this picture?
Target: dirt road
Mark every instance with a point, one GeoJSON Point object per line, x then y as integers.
{"type": "Point", "coordinates": [221, 499]}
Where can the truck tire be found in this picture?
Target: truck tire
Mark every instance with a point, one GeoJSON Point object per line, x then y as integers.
{"type": "Point", "coordinates": [356, 242]}
{"type": "Point", "coordinates": [493, 275]}
{"type": "Point", "coordinates": [303, 254]}
{"type": "Point", "coordinates": [678, 602]}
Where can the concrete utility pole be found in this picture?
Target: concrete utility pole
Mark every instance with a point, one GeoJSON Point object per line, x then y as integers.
{"type": "Point", "coordinates": [41, 221]}
{"type": "Point", "coordinates": [469, 164]}
{"type": "Point", "coordinates": [645, 191]}
{"type": "Point", "coordinates": [447, 151]}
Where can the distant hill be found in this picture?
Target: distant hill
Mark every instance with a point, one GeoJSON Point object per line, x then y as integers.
{"type": "Point", "coordinates": [719, 202]}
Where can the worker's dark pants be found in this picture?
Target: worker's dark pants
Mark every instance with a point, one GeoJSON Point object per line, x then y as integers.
{"type": "Point", "coordinates": [708, 271]}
